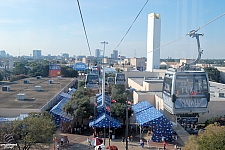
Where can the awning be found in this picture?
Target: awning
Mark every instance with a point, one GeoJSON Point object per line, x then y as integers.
{"type": "Point", "coordinates": [103, 121]}
{"type": "Point", "coordinates": [147, 115]}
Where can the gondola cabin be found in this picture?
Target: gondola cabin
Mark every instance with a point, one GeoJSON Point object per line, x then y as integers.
{"type": "Point", "coordinates": [120, 78]}
{"type": "Point", "coordinates": [110, 80]}
{"type": "Point", "coordinates": [185, 91]}
{"type": "Point", "coordinates": [91, 81]}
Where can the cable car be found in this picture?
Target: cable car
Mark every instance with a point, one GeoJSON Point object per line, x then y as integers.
{"type": "Point", "coordinates": [185, 91]}
{"type": "Point", "coordinates": [92, 81]}
{"type": "Point", "coordinates": [110, 80]}
{"type": "Point", "coordinates": [120, 78]}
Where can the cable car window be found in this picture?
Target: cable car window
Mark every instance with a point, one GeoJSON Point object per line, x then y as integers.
{"type": "Point", "coordinates": [93, 78]}
{"type": "Point", "coordinates": [191, 85]}
{"type": "Point", "coordinates": [167, 85]}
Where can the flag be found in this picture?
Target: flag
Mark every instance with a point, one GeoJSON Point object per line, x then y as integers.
{"type": "Point", "coordinates": [107, 108]}
{"type": "Point", "coordinates": [119, 56]}
{"type": "Point", "coordinates": [129, 102]}
{"type": "Point", "coordinates": [95, 103]}
{"type": "Point", "coordinates": [113, 101]}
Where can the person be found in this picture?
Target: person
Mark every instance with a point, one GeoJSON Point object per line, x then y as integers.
{"type": "Point", "coordinates": [75, 130]}
{"type": "Point", "coordinates": [164, 144]}
{"type": "Point", "coordinates": [122, 140]}
{"type": "Point", "coordinates": [131, 138]}
{"type": "Point", "coordinates": [62, 140]}
{"type": "Point", "coordinates": [89, 141]}
{"type": "Point", "coordinates": [99, 148]}
{"type": "Point", "coordinates": [148, 143]}
{"type": "Point", "coordinates": [57, 146]}
{"type": "Point", "coordinates": [142, 143]}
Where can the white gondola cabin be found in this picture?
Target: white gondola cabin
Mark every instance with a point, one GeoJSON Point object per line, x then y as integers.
{"type": "Point", "coordinates": [110, 80]}
{"type": "Point", "coordinates": [92, 81]}
{"type": "Point", "coordinates": [120, 78]}
{"type": "Point", "coordinates": [185, 91]}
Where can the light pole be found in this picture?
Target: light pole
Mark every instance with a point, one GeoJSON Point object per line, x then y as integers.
{"type": "Point", "coordinates": [126, 132]}
{"type": "Point", "coordinates": [103, 84]}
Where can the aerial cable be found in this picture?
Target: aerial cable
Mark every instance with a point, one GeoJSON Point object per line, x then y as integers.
{"type": "Point", "coordinates": [84, 27]}
{"type": "Point", "coordinates": [131, 24]}
{"type": "Point", "coordinates": [210, 21]}
{"type": "Point", "coordinates": [191, 32]}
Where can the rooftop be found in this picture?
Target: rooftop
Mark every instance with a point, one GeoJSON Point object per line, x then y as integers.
{"type": "Point", "coordinates": [38, 92]}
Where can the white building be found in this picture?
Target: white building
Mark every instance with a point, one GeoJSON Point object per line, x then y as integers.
{"type": "Point", "coordinates": [3, 53]}
{"type": "Point", "coordinates": [153, 42]}
{"type": "Point", "coordinates": [97, 53]}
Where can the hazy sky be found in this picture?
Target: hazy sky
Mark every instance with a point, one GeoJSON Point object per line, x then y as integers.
{"type": "Point", "coordinates": [55, 26]}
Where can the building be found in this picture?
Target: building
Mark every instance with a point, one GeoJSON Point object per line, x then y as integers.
{"type": "Point", "coordinates": [36, 54]}
{"type": "Point", "coordinates": [2, 53]}
{"type": "Point", "coordinates": [153, 41]}
{"type": "Point", "coordinates": [66, 56]}
{"type": "Point", "coordinates": [115, 54]}
{"type": "Point", "coordinates": [138, 63]}
{"type": "Point", "coordinates": [97, 53]}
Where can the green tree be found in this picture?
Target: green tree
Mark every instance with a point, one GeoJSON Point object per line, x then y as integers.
{"type": "Point", "coordinates": [79, 105]}
{"type": "Point", "coordinates": [213, 137]}
{"type": "Point", "coordinates": [69, 72]}
{"type": "Point", "coordinates": [213, 74]}
{"type": "Point", "coordinates": [20, 68]}
{"type": "Point", "coordinates": [81, 84]}
{"type": "Point", "coordinates": [121, 96]}
{"type": "Point", "coordinates": [1, 77]}
{"type": "Point", "coordinates": [35, 130]}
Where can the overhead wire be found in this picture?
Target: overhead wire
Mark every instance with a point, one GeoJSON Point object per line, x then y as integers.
{"type": "Point", "coordinates": [188, 33]}
{"type": "Point", "coordinates": [131, 25]}
{"type": "Point", "coordinates": [84, 27]}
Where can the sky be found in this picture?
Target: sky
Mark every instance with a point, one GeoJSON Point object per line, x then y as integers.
{"type": "Point", "coordinates": [55, 27]}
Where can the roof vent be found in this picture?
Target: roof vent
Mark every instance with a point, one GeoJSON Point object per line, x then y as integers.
{"type": "Point", "coordinates": [50, 82]}
{"type": "Point", "coordinates": [38, 77]}
{"type": "Point", "coordinates": [21, 96]}
{"type": "Point", "coordinates": [26, 81]}
{"type": "Point", "coordinates": [37, 88]}
{"type": "Point", "coordinates": [59, 77]}
{"type": "Point", "coordinates": [5, 88]}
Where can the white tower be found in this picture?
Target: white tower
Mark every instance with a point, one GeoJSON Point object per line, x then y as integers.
{"type": "Point", "coordinates": [153, 42]}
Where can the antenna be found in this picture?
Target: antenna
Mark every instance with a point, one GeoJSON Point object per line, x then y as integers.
{"type": "Point", "coordinates": [135, 54]}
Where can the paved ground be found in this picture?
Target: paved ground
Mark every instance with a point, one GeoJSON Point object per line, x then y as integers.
{"type": "Point", "coordinates": [79, 142]}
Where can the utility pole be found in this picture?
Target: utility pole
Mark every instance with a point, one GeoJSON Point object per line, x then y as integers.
{"type": "Point", "coordinates": [126, 132]}
{"type": "Point", "coordinates": [103, 86]}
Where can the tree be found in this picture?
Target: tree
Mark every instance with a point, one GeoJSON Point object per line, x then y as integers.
{"type": "Point", "coordinates": [213, 74]}
{"type": "Point", "coordinates": [121, 96]}
{"type": "Point", "coordinates": [1, 77]}
{"type": "Point", "coordinates": [213, 137]}
{"type": "Point", "coordinates": [79, 105]}
{"type": "Point", "coordinates": [68, 71]}
{"type": "Point", "coordinates": [20, 68]}
{"type": "Point", "coordinates": [35, 130]}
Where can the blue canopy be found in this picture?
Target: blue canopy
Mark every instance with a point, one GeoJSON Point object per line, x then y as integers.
{"type": "Point", "coordinates": [147, 115]}
{"type": "Point", "coordinates": [103, 121]}
{"type": "Point", "coordinates": [57, 111]}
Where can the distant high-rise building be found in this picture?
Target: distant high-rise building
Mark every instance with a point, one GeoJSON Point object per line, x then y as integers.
{"type": "Point", "coordinates": [36, 54]}
{"type": "Point", "coordinates": [3, 53]}
{"type": "Point", "coordinates": [66, 56]}
{"type": "Point", "coordinates": [97, 53]}
{"type": "Point", "coordinates": [153, 41]}
{"type": "Point", "coordinates": [115, 54]}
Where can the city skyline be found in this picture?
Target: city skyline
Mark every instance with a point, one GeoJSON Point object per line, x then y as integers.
{"type": "Point", "coordinates": [55, 27]}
